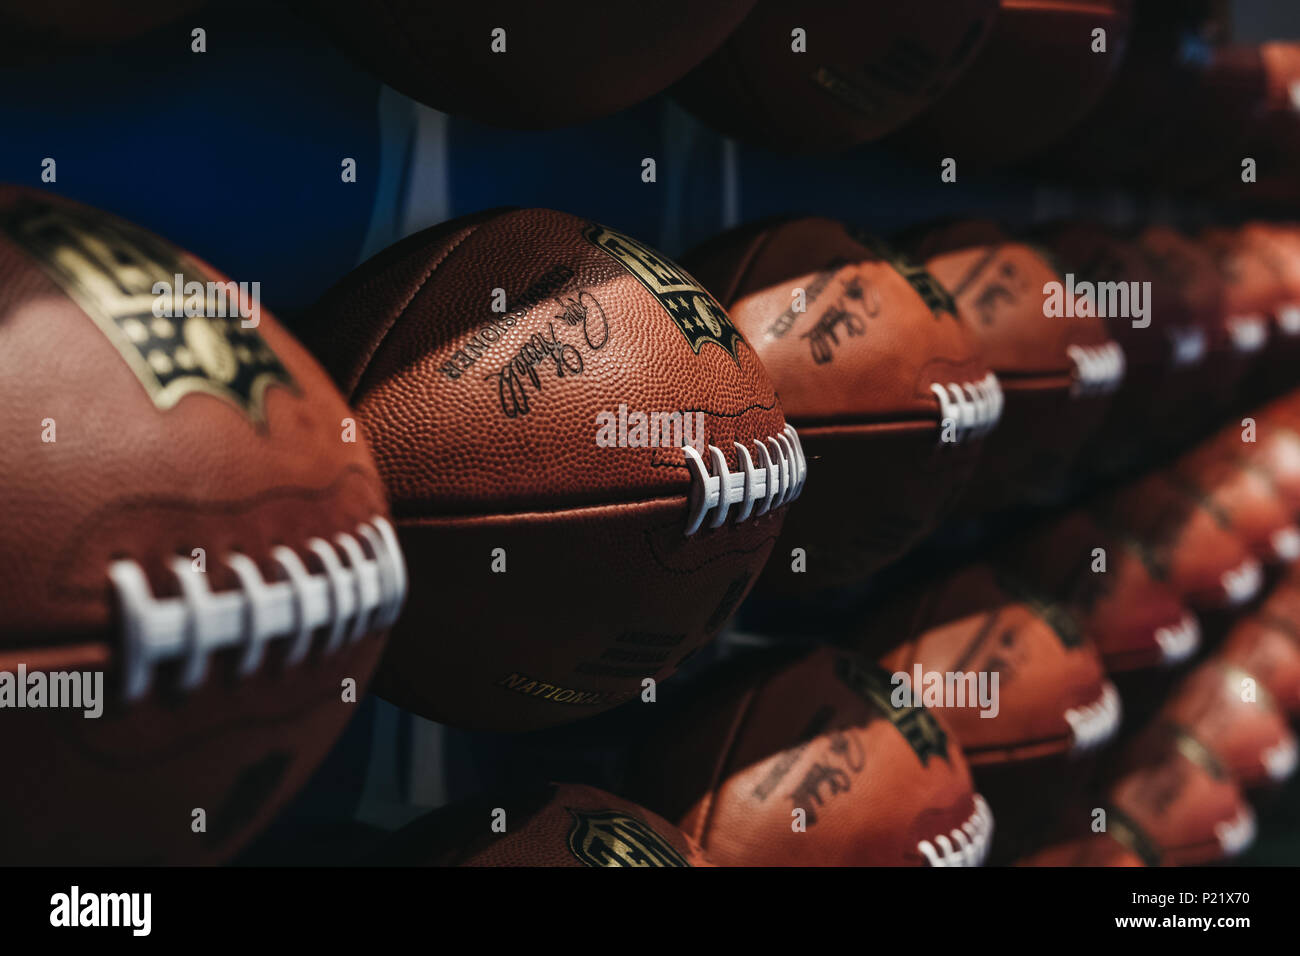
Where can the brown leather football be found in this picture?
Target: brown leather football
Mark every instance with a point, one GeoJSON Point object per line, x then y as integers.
{"type": "Point", "coordinates": [1279, 245]}
{"type": "Point", "coordinates": [1267, 645]}
{"type": "Point", "coordinates": [1036, 76]}
{"type": "Point", "coordinates": [1135, 619]}
{"type": "Point", "coordinates": [1190, 545]}
{"type": "Point", "coordinates": [1167, 54]}
{"type": "Point", "coordinates": [885, 383]}
{"type": "Point", "coordinates": [186, 514]}
{"type": "Point", "coordinates": [1014, 676]}
{"type": "Point", "coordinates": [827, 74]}
{"type": "Point", "coordinates": [1271, 448]}
{"type": "Point", "coordinates": [547, 825]}
{"type": "Point", "coordinates": [588, 464]}
{"type": "Point", "coordinates": [811, 763]}
{"type": "Point", "coordinates": [527, 65]}
{"type": "Point", "coordinates": [1052, 697]}
{"type": "Point", "coordinates": [1274, 142]}
{"type": "Point", "coordinates": [1180, 800]}
{"type": "Point", "coordinates": [1244, 498]}
{"type": "Point", "coordinates": [1192, 272]}
{"type": "Point", "coordinates": [1233, 714]}
{"type": "Point", "coordinates": [1252, 292]}
{"type": "Point", "coordinates": [1164, 349]}
{"type": "Point", "coordinates": [1108, 849]}
{"type": "Point", "coordinates": [1057, 372]}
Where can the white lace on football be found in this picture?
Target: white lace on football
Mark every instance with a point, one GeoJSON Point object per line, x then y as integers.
{"type": "Point", "coordinates": [1098, 369]}
{"type": "Point", "coordinates": [1248, 332]}
{"type": "Point", "coordinates": [1188, 346]}
{"type": "Point", "coordinates": [1288, 318]}
{"type": "Point", "coordinates": [964, 846]}
{"type": "Point", "coordinates": [1094, 724]}
{"type": "Point", "coordinates": [1243, 582]}
{"type": "Point", "coordinates": [1179, 641]}
{"type": "Point", "coordinates": [1280, 760]}
{"type": "Point", "coordinates": [359, 589]}
{"type": "Point", "coordinates": [1236, 834]}
{"type": "Point", "coordinates": [1286, 543]}
{"type": "Point", "coordinates": [973, 408]}
{"type": "Point", "coordinates": [776, 480]}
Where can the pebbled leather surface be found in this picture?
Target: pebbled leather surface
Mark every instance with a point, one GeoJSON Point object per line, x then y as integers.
{"type": "Point", "coordinates": [127, 478]}
{"type": "Point", "coordinates": [867, 70]}
{"type": "Point", "coordinates": [1030, 83]}
{"type": "Point", "coordinates": [733, 763]}
{"type": "Point", "coordinates": [1120, 609]}
{"type": "Point", "coordinates": [854, 370]}
{"type": "Point", "coordinates": [997, 284]}
{"type": "Point", "coordinates": [970, 622]}
{"type": "Point", "coordinates": [602, 588]}
{"type": "Point", "coordinates": [564, 62]}
{"type": "Point", "coordinates": [545, 825]}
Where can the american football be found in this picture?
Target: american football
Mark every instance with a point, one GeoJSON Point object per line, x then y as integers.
{"type": "Point", "coordinates": [621, 434]}
{"type": "Point", "coordinates": [826, 75]}
{"type": "Point", "coordinates": [1057, 364]}
{"type": "Point", "coordinates": [516, 64]}
{"type": "Point", "coordinates": [190, 546]}
{"type": "Point", "coordinates": [811, 763]}
{"type": "Point", "coordinates": [1072, 50]}
{"type": "Point", "coordinates": [542, 825]}
{"type": "Point", "coordinates": [885, 383]}
{"type": "Point", "coordinates": [509, 435]}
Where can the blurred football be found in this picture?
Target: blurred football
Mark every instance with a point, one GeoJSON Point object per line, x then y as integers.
{"type": "Point", "coordinates": [826, 75]}
{"type": "Point", "coordinates": [1279, 246]}
{"type": "Point", "coordinates": [1181, 802]}
{"type": "Point", "coordinates": [810, 763]}
{"type": "Point", "coordinates": [1266, 444]}
{"type": "Point", "coordinates": [1043, 66]}
{"type": "Point", "coordinates": [1013, 675]}
{"type": "Point", "coordinates": [1110, 848]}
{"type": "Point", "coordinates": [1192, 272]}
{"type": "Point", "coordinates": [526, 65]}
{"type": "Point", "coordinates": [884, 382]}
{"type": "Point", "coordinates": [1187, 544]}
{"type": "Point", "coordinates": [1232, 713]}
{"type": "Point", "coordinates": [1252, 293]}
{"type": "Point", "coordinates": [1057, 368]}
{"type": "Point", "coordinates": [545, 825]}
{"type": "Point", "coordinates": [1134, 618]}
{"type": "Point", "coordinates": [1266, 645]}
{"type": "Point", "coordinates": [1162, 337]}
{"type": "Point", "coordinates": [1052, 698]}
{"type": "Point", "coordinates": [1242, 498]}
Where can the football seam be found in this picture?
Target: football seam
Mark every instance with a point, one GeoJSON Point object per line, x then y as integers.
{"type": "Point", "coordinates": [366, 369]}
{"type": "Point", "coordinates": [724, 760]}
{"type": "Point", "coordinates": [68, 557]}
